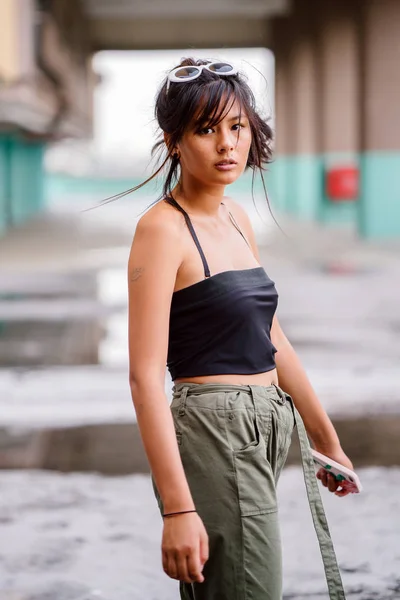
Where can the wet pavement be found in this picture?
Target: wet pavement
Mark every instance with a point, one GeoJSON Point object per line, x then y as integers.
{"type": "Point", "coordinates": [339, 297]}
{"type": "Point", "coordinates": [81, 537]}
{"type": "Point", "coordinates": [63, 315]}
{"type": "Point", "coordinates": [65, 402]}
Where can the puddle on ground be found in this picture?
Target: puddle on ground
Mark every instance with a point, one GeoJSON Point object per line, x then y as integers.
{"type": "Point", "coordinates": [68, 319]}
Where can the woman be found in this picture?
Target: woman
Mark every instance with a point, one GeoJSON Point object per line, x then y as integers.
{"type": "Point", "coordinates": [200, 302]}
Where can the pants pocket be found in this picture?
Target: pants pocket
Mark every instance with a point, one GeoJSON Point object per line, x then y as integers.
{"type": "Point", "coordinates": [243, 428]}
{"type": "Point", "coordinates": [255, 480]}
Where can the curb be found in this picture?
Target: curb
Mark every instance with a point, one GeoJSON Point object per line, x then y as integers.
{"type": "Point", "coordinates": [116, 448]}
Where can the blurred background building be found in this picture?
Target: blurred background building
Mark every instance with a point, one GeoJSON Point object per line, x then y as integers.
{"type": "Point", "coordinates": [337, 93]}
{"type": "Point", "coordinates": [46, 91]}
{"type": "Point", "coordinates": [78, 79]}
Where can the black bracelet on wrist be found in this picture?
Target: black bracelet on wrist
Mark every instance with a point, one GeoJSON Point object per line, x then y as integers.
{"type": "Point", "coordinates": [179, 513]}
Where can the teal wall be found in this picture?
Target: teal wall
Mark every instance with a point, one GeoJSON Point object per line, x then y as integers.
{"type": "Point", "coordinates": [60, 184]}
{"type": "Point", "coordinates": [380, 206]}
{"type": "Point", "coordinates": [344, 212]}
{"type": "Point", "coordinates": [276, 183]}
{"type": "Point", "coordinates": [21, 180]}
{"type": "Point", "coordinates": [98, 188]}
{"type": "Point", "coordinates": [4, 182]}
{"type": "Point", "coordinates": [305, 185]}
{"type": "Point", "coordinates": [297, 187]}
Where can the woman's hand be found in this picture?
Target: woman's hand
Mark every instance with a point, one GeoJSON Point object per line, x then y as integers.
{"type": "Point", "coordinates": [328, 479]}
{"type": "Point", "coordinates": [184, 547]}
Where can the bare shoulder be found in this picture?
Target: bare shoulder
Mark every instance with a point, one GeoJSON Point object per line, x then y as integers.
{"type": "Point", "coordinates": [157, 237]}
{"type": "Point", "coordinates": [161, 222]}
{"type": "Point", "coordinates": [160, 219]}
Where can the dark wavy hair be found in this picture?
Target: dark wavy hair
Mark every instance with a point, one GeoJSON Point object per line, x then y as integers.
{"type": "Point", "coordinates": [206, 100]}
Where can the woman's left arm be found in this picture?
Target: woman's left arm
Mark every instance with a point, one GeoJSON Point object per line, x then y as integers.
{"type": "Point", "coordinates": [293, 380]}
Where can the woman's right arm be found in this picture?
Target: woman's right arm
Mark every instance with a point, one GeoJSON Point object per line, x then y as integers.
{"type": "Point", "coordinates": [155, 257]}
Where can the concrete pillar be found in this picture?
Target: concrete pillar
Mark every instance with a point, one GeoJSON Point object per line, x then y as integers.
{"type": "Point", "coordinates": [306, 164]}
{"type": "Point", "coordinates": [26, 179]}
{"type": "Point", "coordinates": [339, 69]}
{"type": "Point", "coordinates": [21, 179]}
{"type": "Point", "coordinates": [297, 110]}
{"type": "Point", "coordinates": [279, 178]}
{"type": "Point", "coordinates": [380, 163]}
{"type": "Point", "coordinates": [5, 188]}
{"type": "Point", "coordinates": [9, 50]}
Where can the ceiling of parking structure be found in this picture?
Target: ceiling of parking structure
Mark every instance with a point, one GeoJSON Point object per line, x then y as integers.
{"type": "Point", "coordinates": [100, 9]}
{"type": "Point", "coordinates": [164, 24]}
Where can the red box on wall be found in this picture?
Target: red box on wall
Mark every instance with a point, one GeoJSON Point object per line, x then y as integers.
{"type": "Point", "coordinates": [342, 183]}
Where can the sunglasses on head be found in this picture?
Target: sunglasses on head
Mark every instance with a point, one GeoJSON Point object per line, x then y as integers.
{"type": "Point", "coordinates": [191, 72]}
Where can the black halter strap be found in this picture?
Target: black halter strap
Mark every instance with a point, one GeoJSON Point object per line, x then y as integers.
{"type": "Point", "coordinates": [232, 218]}
{"type": "Point", "coordinates": [173, 202]}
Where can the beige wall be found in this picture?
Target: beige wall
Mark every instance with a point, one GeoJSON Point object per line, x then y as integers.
{"type": "Point", "coordinates": [74, 75]}
{"type": "Point", "coordinates": [282, 88]}
{"type": "Point", "coordinates": [56, 97]}
{"type": "Point", "coordinates": [26, 19]}
{"type": "Point", "coordinates": [304, 97]}
{"type": "Point", "coordinates": [282, 107]}
{"type": "Point", "coordinates": [318, 70]}
{"type": "Point", "coordinates": [381, 89]}
{"type": "Point", "coordinates": [9, 64]}
{"type": "Point", "coordinates": [338, 50]}
{"type": "Point", "coordinates": [297, 86]}
{"type": "Point", "coordinates": [16, 39]}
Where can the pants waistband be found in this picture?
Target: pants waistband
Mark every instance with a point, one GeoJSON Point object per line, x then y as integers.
{"type": "Point", "coordinates": [209, 388]}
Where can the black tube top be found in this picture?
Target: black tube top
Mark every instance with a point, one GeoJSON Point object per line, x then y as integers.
{"type": "Point", "coordinates": [221, 325]}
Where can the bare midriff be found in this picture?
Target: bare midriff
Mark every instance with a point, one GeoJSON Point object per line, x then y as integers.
{"type": "Point", "coordinates": [265, 379]}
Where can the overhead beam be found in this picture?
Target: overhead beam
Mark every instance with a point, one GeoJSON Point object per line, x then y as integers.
{"type": "Point", "coordinates": [168, 34]}
{"type": "Point", "coordinates": [178, 9]}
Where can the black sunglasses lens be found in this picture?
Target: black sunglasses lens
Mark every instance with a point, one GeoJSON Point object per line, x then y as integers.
{"type": "Point", "coordinates": [221, 68]}
{"type": "Point", "coordinates": [186, 72]}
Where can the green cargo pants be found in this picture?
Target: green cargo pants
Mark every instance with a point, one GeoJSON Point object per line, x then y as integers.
{"type": "Point", "coordinates": [233, 441]}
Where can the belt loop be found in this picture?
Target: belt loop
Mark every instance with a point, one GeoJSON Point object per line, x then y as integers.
{"type": "Point", "coordinates": [182, 403]}
{"type": "Point", "coordinates": [280, 393]}
{"type": "Point", "coordinates": [252, 394]}
{"type": "Point", "coordinates": [251, 389]}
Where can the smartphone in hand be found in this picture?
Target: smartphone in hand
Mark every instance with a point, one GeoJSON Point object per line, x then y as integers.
{"type": "Point", "coordinates": [348, 478]}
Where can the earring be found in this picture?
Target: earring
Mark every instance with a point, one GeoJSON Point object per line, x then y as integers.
{"type": "Point", "coordinates": [176, 155]}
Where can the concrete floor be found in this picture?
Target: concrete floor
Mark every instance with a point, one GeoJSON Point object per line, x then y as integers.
{"type": "Point", "coordinates": [86, 537]}
{"type": "Point", "coordinates": [80, 536]}
{"type": "Point", "coordinates": [63, 315]}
